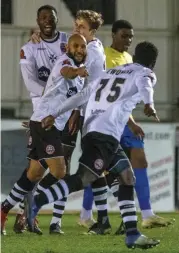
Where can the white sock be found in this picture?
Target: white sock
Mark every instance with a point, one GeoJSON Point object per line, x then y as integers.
{"type": "Point", "coordinates": [55, 220]}
{"type": "Point", "coordinates": [86, 214]}
{"type": "Point", "coordinates": [147, 213]}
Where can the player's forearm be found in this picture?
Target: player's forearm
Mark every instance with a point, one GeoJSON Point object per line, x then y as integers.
{"type": "Point", "coordinates": [147, 95]}
{"type": "Point", "coordinates": [34, 87]}
{"type": "Point", "coordinates": [69, 72]}
{"type": "Point", "coordinates": [72, 102]}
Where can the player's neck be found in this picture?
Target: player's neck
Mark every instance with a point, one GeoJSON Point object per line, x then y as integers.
{"type": "Point", "coordinates": [91, 38]}
{"type": "Point", "coordinates": [49, 38]}
{"type": "Point", "coordinates": [117, 48]}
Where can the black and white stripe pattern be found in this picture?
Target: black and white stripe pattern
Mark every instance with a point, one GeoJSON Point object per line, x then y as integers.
{"type": "Point", "coordinates": [16, 195]}
{"type": "Point", "coordinates": [100, 191]}
{"type": "Point", "coordinates": [100, 197]}
{"type": "Point", "coordinates": [55, 192]}
{"type": "Point", "coordinates": [58, 211]}
{"type": "Point", "coordinates": [128, 211]}
{"type": "Point", "coordinates": [21, 207]}
{"type": "Point", "coordinates": [115, 188]}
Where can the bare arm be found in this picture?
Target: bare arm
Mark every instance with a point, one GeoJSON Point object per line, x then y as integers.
{"type": "Point", "coordinates": [71, 72]}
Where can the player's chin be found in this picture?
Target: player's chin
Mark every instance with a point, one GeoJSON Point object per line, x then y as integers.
{"type": "Point", "coordinates": [79, 59]}
{"type": "Point", "coordinates": [48, 32]}
{"type": "Point", "coordinates": [126, 47]}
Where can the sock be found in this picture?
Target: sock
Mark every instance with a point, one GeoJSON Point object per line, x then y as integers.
{"type": "Point", "coordinates": [115, 189]}
{"type": "Point", "coordinates": [100, 191]}
{"type": "Point", "coordinates": [143, 191]}
{"type": "Point", "coordinates": [58, 211]}
{"type": "Point", "coordinates": [55, 192]}
{"type": "Point", "coordinates": [147, 213]}
{"type": "Point", "coordinates": [46, 182]}
{"type": "Point", "coordinates": [20, 189]}
{"type": "Point", "coordinates": [86, 212]}
{"type": "Point", "coordinates": [113, 184]}
{"type": "Point", "coordinates": [59, 190]}
{"type": "Point", "coordinates": [127, 208]}
{"type": "Point", "coordinates": [21, 207]}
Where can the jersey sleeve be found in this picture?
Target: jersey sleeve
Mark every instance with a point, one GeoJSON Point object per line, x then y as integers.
{"type": "Point", "coordinates": [76, 100]}
{"type": "Point", "coordinates": [145, 82]}
{"type": "Point", "coordinates": [93, 64]}
{"type": "Point", "coordinates": [26, 55]}
{"type": "Point", "coordinates": [28, 70]}
{"type": "Point", "coordinates": [65, 62]}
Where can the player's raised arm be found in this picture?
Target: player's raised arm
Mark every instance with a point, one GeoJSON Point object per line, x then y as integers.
{"type": "Point", "coordinates": [74, 101]}
{"type": "Point", "coordinates": [146, 54]}
{"type": "Point", "coordinates": [28, 70]}
{"type": "Point", "coordinates": [72, 72]}
{"type": "Point", "coordinates": [69, 104]}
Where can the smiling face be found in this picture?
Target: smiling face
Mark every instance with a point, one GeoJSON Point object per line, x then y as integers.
{"type": "Point", "coordinates": [76, 48]}
{"type": "Point", "coordinates": [82, 27]}
{"type": "Point", "coordinates": [122, 39]}
{"type": "Point", "coordinates": [47, 22]}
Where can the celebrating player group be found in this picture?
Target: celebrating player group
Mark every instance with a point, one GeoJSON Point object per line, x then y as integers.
{"type": "Point", "coordinates": [76, 85]}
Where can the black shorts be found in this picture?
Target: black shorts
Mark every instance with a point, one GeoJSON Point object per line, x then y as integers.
{"type": "Point", "coordinates": [44, 144]}
{"type": "Point", "coordinates": [67, 138]}
{"type": "Point", "coordinates": [102, 152]}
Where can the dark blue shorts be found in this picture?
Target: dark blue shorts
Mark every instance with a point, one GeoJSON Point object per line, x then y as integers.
{"type": "Point", "coordinates": [129, 140]}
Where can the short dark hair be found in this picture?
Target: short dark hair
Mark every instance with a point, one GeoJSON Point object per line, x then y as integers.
{"type": "Point", "coordinates": [146, 53]}
{"type": "Point", "coordinates": [121, 24]}
{"type": "Point", "coordinates": [46, 7]}
{"type": "Point", "coordinates": [93, 18]}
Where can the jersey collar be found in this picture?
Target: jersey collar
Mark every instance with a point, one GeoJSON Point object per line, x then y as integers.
{"type": "Point", "coordinates": [54, 39]}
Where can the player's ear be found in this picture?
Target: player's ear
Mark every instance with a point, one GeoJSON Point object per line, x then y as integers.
{"type": "Point", "coordinates": [67, 48]}
{"type": "Point", "coordinates": [37, 20]}
{"type": "Point", "coordinates": [93, 31]}
{"type": "Point", "coordinates": [113, 36]}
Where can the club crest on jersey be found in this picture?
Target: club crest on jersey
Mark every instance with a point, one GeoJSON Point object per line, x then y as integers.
{"type": "Point", "coordinates": [52, 58]}
{"type": "Point", "coordinates": [50, 149]}
{"type": "Point", "coordinates": [63, 47]}
{"type": "Point", "coordinates": [43, 73]}
{"type": "Point", "coordinates": [72, 91]}
{"type": "Point", "coordinates": [98, 164]}
{"type": "Point", "coordinates": [66, 62]}
{"type": "Point", "coordinates": [22, 54]}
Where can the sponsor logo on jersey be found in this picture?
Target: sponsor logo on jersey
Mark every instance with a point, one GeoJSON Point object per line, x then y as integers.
{"type": "Point", "coordinates": [97, 111]}
{"type": "Point", "coordinates": [43, 73]}
{"type": "Point", "coordinates": [72, 91]}
{"type": "Point", "coordinates": [63, 47]}
{"type": "Point", "coordinates": [98, 164]}
{"type": "Point", "coordinates": [50, 149]}
{"type": "Point", "coordinates": [52, 58]}
{"type": "Point", "coordinates": [22, 54]}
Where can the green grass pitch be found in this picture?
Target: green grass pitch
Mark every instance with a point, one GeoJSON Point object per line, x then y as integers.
{"type": "Point", "coordinates": [75, 242]}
